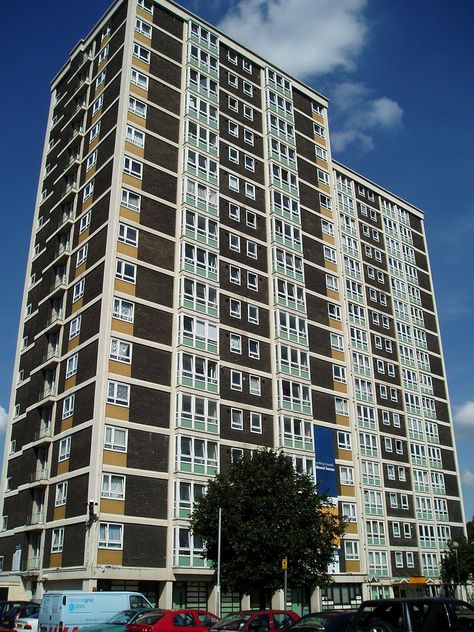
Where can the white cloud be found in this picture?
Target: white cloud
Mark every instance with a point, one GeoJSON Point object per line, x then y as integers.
{"type": "Point", "coordinates": [3, 420]}
{"type": "Point", "coordinates": [467, 478]}
{"type": "Point", "coordinates": [359, 115]}
{"type": "Point", "coordinates": [303, 37]}
{"type": "Point", "coordinates": [464, 419]}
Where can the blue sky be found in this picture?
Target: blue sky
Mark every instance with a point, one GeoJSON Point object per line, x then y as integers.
{"type": "Point", "coordinates": [399, 79]}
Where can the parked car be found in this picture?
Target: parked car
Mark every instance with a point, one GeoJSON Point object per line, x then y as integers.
{"type": "Point", "coordinates": [10, 618]}
{"type": "Point", "coordinates": [27, 623]}
{"type": "Point", "coordinates": [326, 621]}
{"type": "Point", "coordinates": [414, 615]}
{"type": "Point", "coordinates": [5, 606]}
{"type": "Point", "coordinates": [78, 609]}
{"type": "Point", "coordinates": [118, 622]}
{"type": "Point", "coordinates": [173, 621]}
{"type": "Point", "coordinates": [257, 620]}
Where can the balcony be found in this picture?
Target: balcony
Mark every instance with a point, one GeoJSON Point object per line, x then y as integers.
{"type": "Point", "coordinates": [48, 391]}
{"type": "Point", "coordinates": [59, 285]}
{"type": "Point", "coordinates": [63, 251]}
{"type": "Point", "coordinates": [39, 477]}
{"type": "Point", "coordinates": [35, 518]}
{"type": "Point", "coordinates": [44, 434]}
{"type": "Point", "coordinates": [52, 355]}
{"type": "Point", "coordinates": [55, 321]}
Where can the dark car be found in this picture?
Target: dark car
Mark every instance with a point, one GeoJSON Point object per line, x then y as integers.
{"type": "Point", "coordinates": [257, 621]}
{"type": "Point", "coordinates": [18, 612]}
{"type": "Point", "coordinates": [327, 621]}
{"type": "Point", "coordinates": [414, 615]}
{"type": "Point", "coordinates": [6, 605]}
{"type": "Point", "coordinates": [118, 622]}
{"type": "Point", "coordinates": [173, 621]}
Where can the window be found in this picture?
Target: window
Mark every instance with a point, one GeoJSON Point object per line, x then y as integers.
{"type": "Point", "coordinates": [235, 380]}
{"type": "Point", "coordinates": [68, 406]}
{"type": "Point", "coordinates": [339, 373]}
{"type": "Point", "coordinates": [235, 343]}
{"type": "Point", "coordinates": [233, 129]}
{"type": "Point", "coordinates": [251, 249]}
{"type": "Point", "coordinates": [118, 393]}
{"type": "Point", "coordinates": [71, 365]}
{"type": "Point", "coordinates": [142, 53]}
{"type": "Point", "coordinates": [91, 160]}
{"type": "Point", "coordinates": [88, 190]}
{"type": "Point", "coordinates": [64, 449]}
{"type": "Point", "coordinates": [137, 107]}
{"type": "Point", "coordinates": [344, 441]}
{"type": "Point", "coordinates": [250, 190]}
{"type": "Point", "coordinates": [232, 80]}
{"type": "Point", "coordinates": [85, 222]}
{"type": "Point", "coordinates": [341, 406]}
{"type": "Point", "coordinates": [248, 112]}
{"type": "Point", "coordinates": [143, 28]}
{"type": "Point", "coordinates": [113, 486]}
{"type": "Point", "coordinates": [349, 512]}
{"type": "Point", "coordinates": [252, 314]}
{"type": "Point", "coordinates": [247, 66]}
{"type": "Point", "coordinates": [235, 308]}
{"type": "Point", "coordinates": [252, 281]}
{"type": "Point", "coordinates": [128, 235]}
{"type": "Point", "coordinates": [57, 540]}
{"type": "Point", "coordinates": [123, 310]}
{"type": "Point", "coordinates": [234, 183]}
{"type": "Point", "coordinates": [81, 255]}
{"type": "Point", "coordinates": [110, 535]}
{"type": "Point", "coordinates": [351, 549]}
{"type": "Point", "coordinates": [346, 475]}
{"type": "Point", "coordinates": [61, 494]}
{"type": "Point", "coordinates": [234, 275]}
{"type": "Point", "coordinates": [100, 79]}
{"type": "Point", "coordinates": [120, 350]}
{"type": "Point", "coordinates": [254, 349]}
{"type": "Point", "coordinates": [115, 439]}
{"type": "Point", "coordinates": [234, 212]}
{"type": "Point", "coordinates": [97, 105]}
{"type": "Point", "coordinates": [234, 242]}
{"type": "Point", "coordinates": [236, 419]}
{"type": "Point", "coordinates": [254, 385]}
{"type": "Point", "coordinates": [75, 327]}
{"type": "Point", "coordinates": [135, 136]}
{"type": "Point", "coordinates": [125, 271]}
{"type": "Point", "coordinates": [255, 422]}
{"type": "Point", "coordinates": [249, 163]}
{"type": "Point", "coordinates": [250, 219]}
{"type": "Point", "coordinates": [95, 130]}
{"type": "Point", "coordinates": [139, 79]}
{"type": "Point", "coordinates": [132, 167]}
{"type": "Point", "coordinates": [131, 200]}
{"type": "Point", "coordinates": [249, 137]}
{"type": "Point", "coordinates": [233, 104]}
{"type": "Point", "coordinates": [248, 88]}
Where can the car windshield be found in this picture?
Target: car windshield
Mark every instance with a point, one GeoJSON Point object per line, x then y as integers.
{"type": "Point", "coordinates": [149, 619]}
{"type": "Point", "coordinates": [235, 621]}
{"type": "Point", "coordinates": [316, 621]}
{"type": "Point", "coordinates": [123, 617]}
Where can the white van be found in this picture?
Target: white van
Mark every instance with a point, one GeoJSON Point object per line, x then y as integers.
{"type": "Point", "coordinates": [75, 610]}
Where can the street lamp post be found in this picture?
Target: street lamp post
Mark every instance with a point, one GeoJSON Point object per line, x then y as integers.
{"type": "Point", "coordinates": [219, 546]}
{"type": "Point", "coordinates": [455, 546]}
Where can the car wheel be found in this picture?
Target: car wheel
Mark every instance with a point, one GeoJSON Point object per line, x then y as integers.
{"type": "Point", "coordinates": [379, 626]}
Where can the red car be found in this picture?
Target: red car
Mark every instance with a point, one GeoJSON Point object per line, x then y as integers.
{"type": "Point", "coordinates": [256, 621]}
{"type": "Point", "coordinates": [173, 621]}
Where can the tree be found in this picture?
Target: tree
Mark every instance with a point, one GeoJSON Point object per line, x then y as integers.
{"type": "Point", "coordinates": [470, 529]}
{"type": "Point", "coordinates": [269, 512]}
{"type": "Point", "coordinates": [457, 567]}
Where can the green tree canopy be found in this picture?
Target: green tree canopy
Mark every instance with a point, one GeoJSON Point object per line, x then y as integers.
{"type": "Point", "coordinates": [462, 562]}
{"type": "Point", "coordinates": [269, 512]}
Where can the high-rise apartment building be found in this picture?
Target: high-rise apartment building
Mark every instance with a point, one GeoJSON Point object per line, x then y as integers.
{"type": "Point", "coordinates": [204, 279]}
